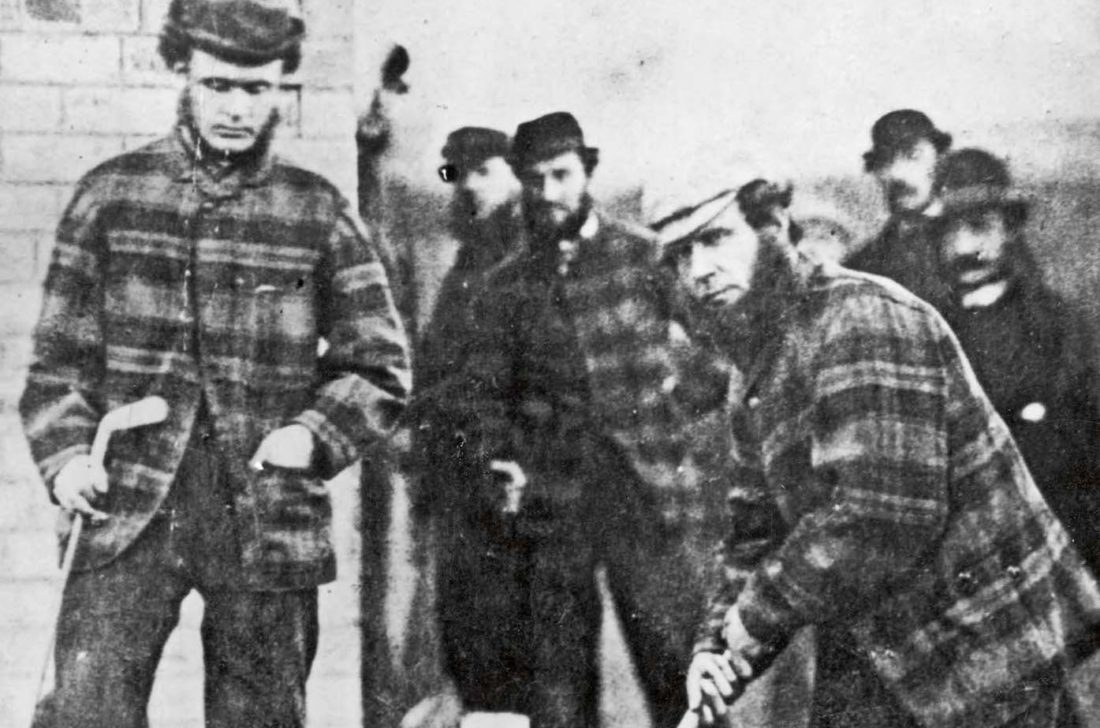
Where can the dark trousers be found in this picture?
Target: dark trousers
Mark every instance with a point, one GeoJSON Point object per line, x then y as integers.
{"type": "Point", "coordinates": [520, 607]}
{"type": "Point", "coordinates": [257, 646]}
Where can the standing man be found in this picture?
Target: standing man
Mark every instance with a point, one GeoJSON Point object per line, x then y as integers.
{"type": "Point", "coordinates": [875, 494]}
{"type": "Point", "coordinates": [484, 222]}
{"type": "Point", "coordinates": [905, 149]}
{"type": "Point", "coordinates": [203, 269]}
{"type": "Point", "coordinates": [569, 453]}
{"type": "Point", "coordinates": [1030, 350]}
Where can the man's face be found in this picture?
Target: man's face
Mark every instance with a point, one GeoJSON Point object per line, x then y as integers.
{"type": "Point", "coordinates": [718, 266]}
{"type": "Point", "coordinates": [973, 247]}
{"type": "Point", "coordinates": [554, 190]}
{"type": "Point", "coordinates": [908, 177]}
{"type": "Point", "coordinates": [486, 187]}
{"type": "Point", "coordinates": [231, 104]}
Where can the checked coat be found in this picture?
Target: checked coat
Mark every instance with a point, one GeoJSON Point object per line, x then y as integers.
{"type": "Point", "coordinates": [569, 376]}
{"type": "Point", "coordinates": [902, 513]}
{"type": "Point", "coordinates": [215, 294]}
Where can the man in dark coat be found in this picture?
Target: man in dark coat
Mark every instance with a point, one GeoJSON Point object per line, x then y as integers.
{"type": "Point", "coordinates": [484, 222]}
{"type": "Point", "coordinates": [203, 269]}
{"type": "Point", "coordinates": [1030, 350]}
{"type": "Point", "coordinates": [874, 493]}
{"type": "Point", "coordinates": [906, 148]}
{"type": "Point", "coordinates": [561, 429]}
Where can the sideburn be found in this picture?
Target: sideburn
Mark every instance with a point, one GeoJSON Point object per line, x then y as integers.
{"type": "Point", "coordinates": [204, 152]}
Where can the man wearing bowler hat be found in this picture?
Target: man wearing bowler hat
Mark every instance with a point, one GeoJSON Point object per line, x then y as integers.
{"type": "Point", "coordinates": [905, 149]}
{"type": "Point", "coordinates": [1030, 350]}
{"type": "Point", "coordinates": [559, 420]}
{"type": "Point", "coordinates": [204, 269]}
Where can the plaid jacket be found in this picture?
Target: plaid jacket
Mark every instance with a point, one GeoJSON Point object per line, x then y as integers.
{"type": "Point", "coordinates": [903, 512]}
{"type": "Point", "coordinates": [164, 281]}
{"type": "Point", "coordinates": [568, 373]}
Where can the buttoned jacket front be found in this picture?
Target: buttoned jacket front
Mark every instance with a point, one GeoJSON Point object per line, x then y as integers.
{"type": "Point", "coordinates": [217, 293]}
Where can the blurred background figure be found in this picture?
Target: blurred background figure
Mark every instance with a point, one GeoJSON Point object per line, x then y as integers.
{"type": "Point", "coordinates": [484, 222]}
{"type": "Point", "coordinates": [1030, 350]}
{"type": "Point", "coordinates": [905, 150]}
{"type": "Point", "coordinates": [827, 233]}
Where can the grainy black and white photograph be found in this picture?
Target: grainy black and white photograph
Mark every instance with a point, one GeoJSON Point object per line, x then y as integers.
{"type": "Point", "coordinates": [606, 364]}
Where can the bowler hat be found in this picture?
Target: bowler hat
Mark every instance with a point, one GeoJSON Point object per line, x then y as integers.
{"type": "Point", "coordinates": [899, 130]}
{"type": "Point", "coordinates": [548, 136]}
{"type": "Point", "coordinates": [468, 147]}
{"type": "Point", "coordinates": [249, 32]}
{"type": "Point", "coordinates": [974, 179]}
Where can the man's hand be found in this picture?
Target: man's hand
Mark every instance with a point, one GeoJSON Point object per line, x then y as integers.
{"type": "Point", "coordinates": [78, 483]}
{"type": "Point", "coordinates": [289, 447]}
{"type": "Point", "coordinates": [712, 685]}
{"type": "Point", "coordinates": [515, 480]}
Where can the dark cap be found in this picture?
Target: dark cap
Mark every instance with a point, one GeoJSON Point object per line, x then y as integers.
{"type": "Point", "coordinates": [248, 32]}
{"type": "Point", "coordinates": [548, 136]}
{"type": "Point", "coordinates": [468, 147]}
{"type": "Point", "coordinates": [900, 130]}
{"type": "Point", "coordinates": [973, 179]}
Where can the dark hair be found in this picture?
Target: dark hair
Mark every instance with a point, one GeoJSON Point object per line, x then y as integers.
{"type": "Point", "coordinates": [761, 200]}
{"type": "Point", "coordinates": [175, 48]}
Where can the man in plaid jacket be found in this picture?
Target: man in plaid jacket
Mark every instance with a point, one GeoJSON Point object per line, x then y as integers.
{"type": "Point", "coordinates": [875, 493]}
{"type": "Point", "coordinates": [202, 269]}
{"type": "Point", "coordinates": [567, 453]}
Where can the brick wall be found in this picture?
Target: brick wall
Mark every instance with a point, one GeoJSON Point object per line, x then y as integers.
{"type": "Point", "coordinates": [80, 81]}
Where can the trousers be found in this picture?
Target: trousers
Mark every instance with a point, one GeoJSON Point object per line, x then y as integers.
{"type": "Point", "coordinates": [258, 646]}
{"type": "Point", "coordinates": [520, 610]}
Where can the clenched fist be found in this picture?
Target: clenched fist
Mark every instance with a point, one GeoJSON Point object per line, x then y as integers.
{"type": "Point", "coordinates": [78, 483]}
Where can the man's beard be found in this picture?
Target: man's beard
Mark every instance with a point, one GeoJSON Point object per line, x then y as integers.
{"type": "Point", "coordinates": [542, 227]}
{"type": "Point", "coordinates": [741, 326]}
{"type": "Point", "coordinates": [206, 152]}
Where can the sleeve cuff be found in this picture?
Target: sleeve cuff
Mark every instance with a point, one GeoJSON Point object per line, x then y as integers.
{"type": "Point", "coordinates": [765, 614]}
{"type": "Point", "coordinates": [334, 452]}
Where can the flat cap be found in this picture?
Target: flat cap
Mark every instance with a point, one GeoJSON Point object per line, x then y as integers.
{"type": "Point", "coordinates": [250, 32]}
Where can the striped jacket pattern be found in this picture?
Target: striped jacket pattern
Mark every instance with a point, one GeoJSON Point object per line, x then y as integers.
{"type": "Point", "coordinates": [217, 293]}
{"type": "Point", "coordinates": [568, 373]}
{"type": "Point", "coordinates": [904, 512]}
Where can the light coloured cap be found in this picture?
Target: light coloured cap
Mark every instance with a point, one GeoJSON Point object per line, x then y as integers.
{"type": "Point", "coordinates": [677, 203]}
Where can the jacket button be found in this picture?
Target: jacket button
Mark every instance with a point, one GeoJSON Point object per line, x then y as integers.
{"type": "Point", "coordinates": [753, 402]}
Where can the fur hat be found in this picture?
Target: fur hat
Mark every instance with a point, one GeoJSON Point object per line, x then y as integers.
{"type": "Point", "coordinates": [249, 32]}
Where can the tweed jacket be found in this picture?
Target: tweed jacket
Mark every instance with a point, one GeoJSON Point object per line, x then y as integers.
{"type": "Point", "coordinates": [904, 513]}
{"type": "Point", "coordinates": [215, 292]}
{"type": "Point", "coordinates": [569, 371]}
